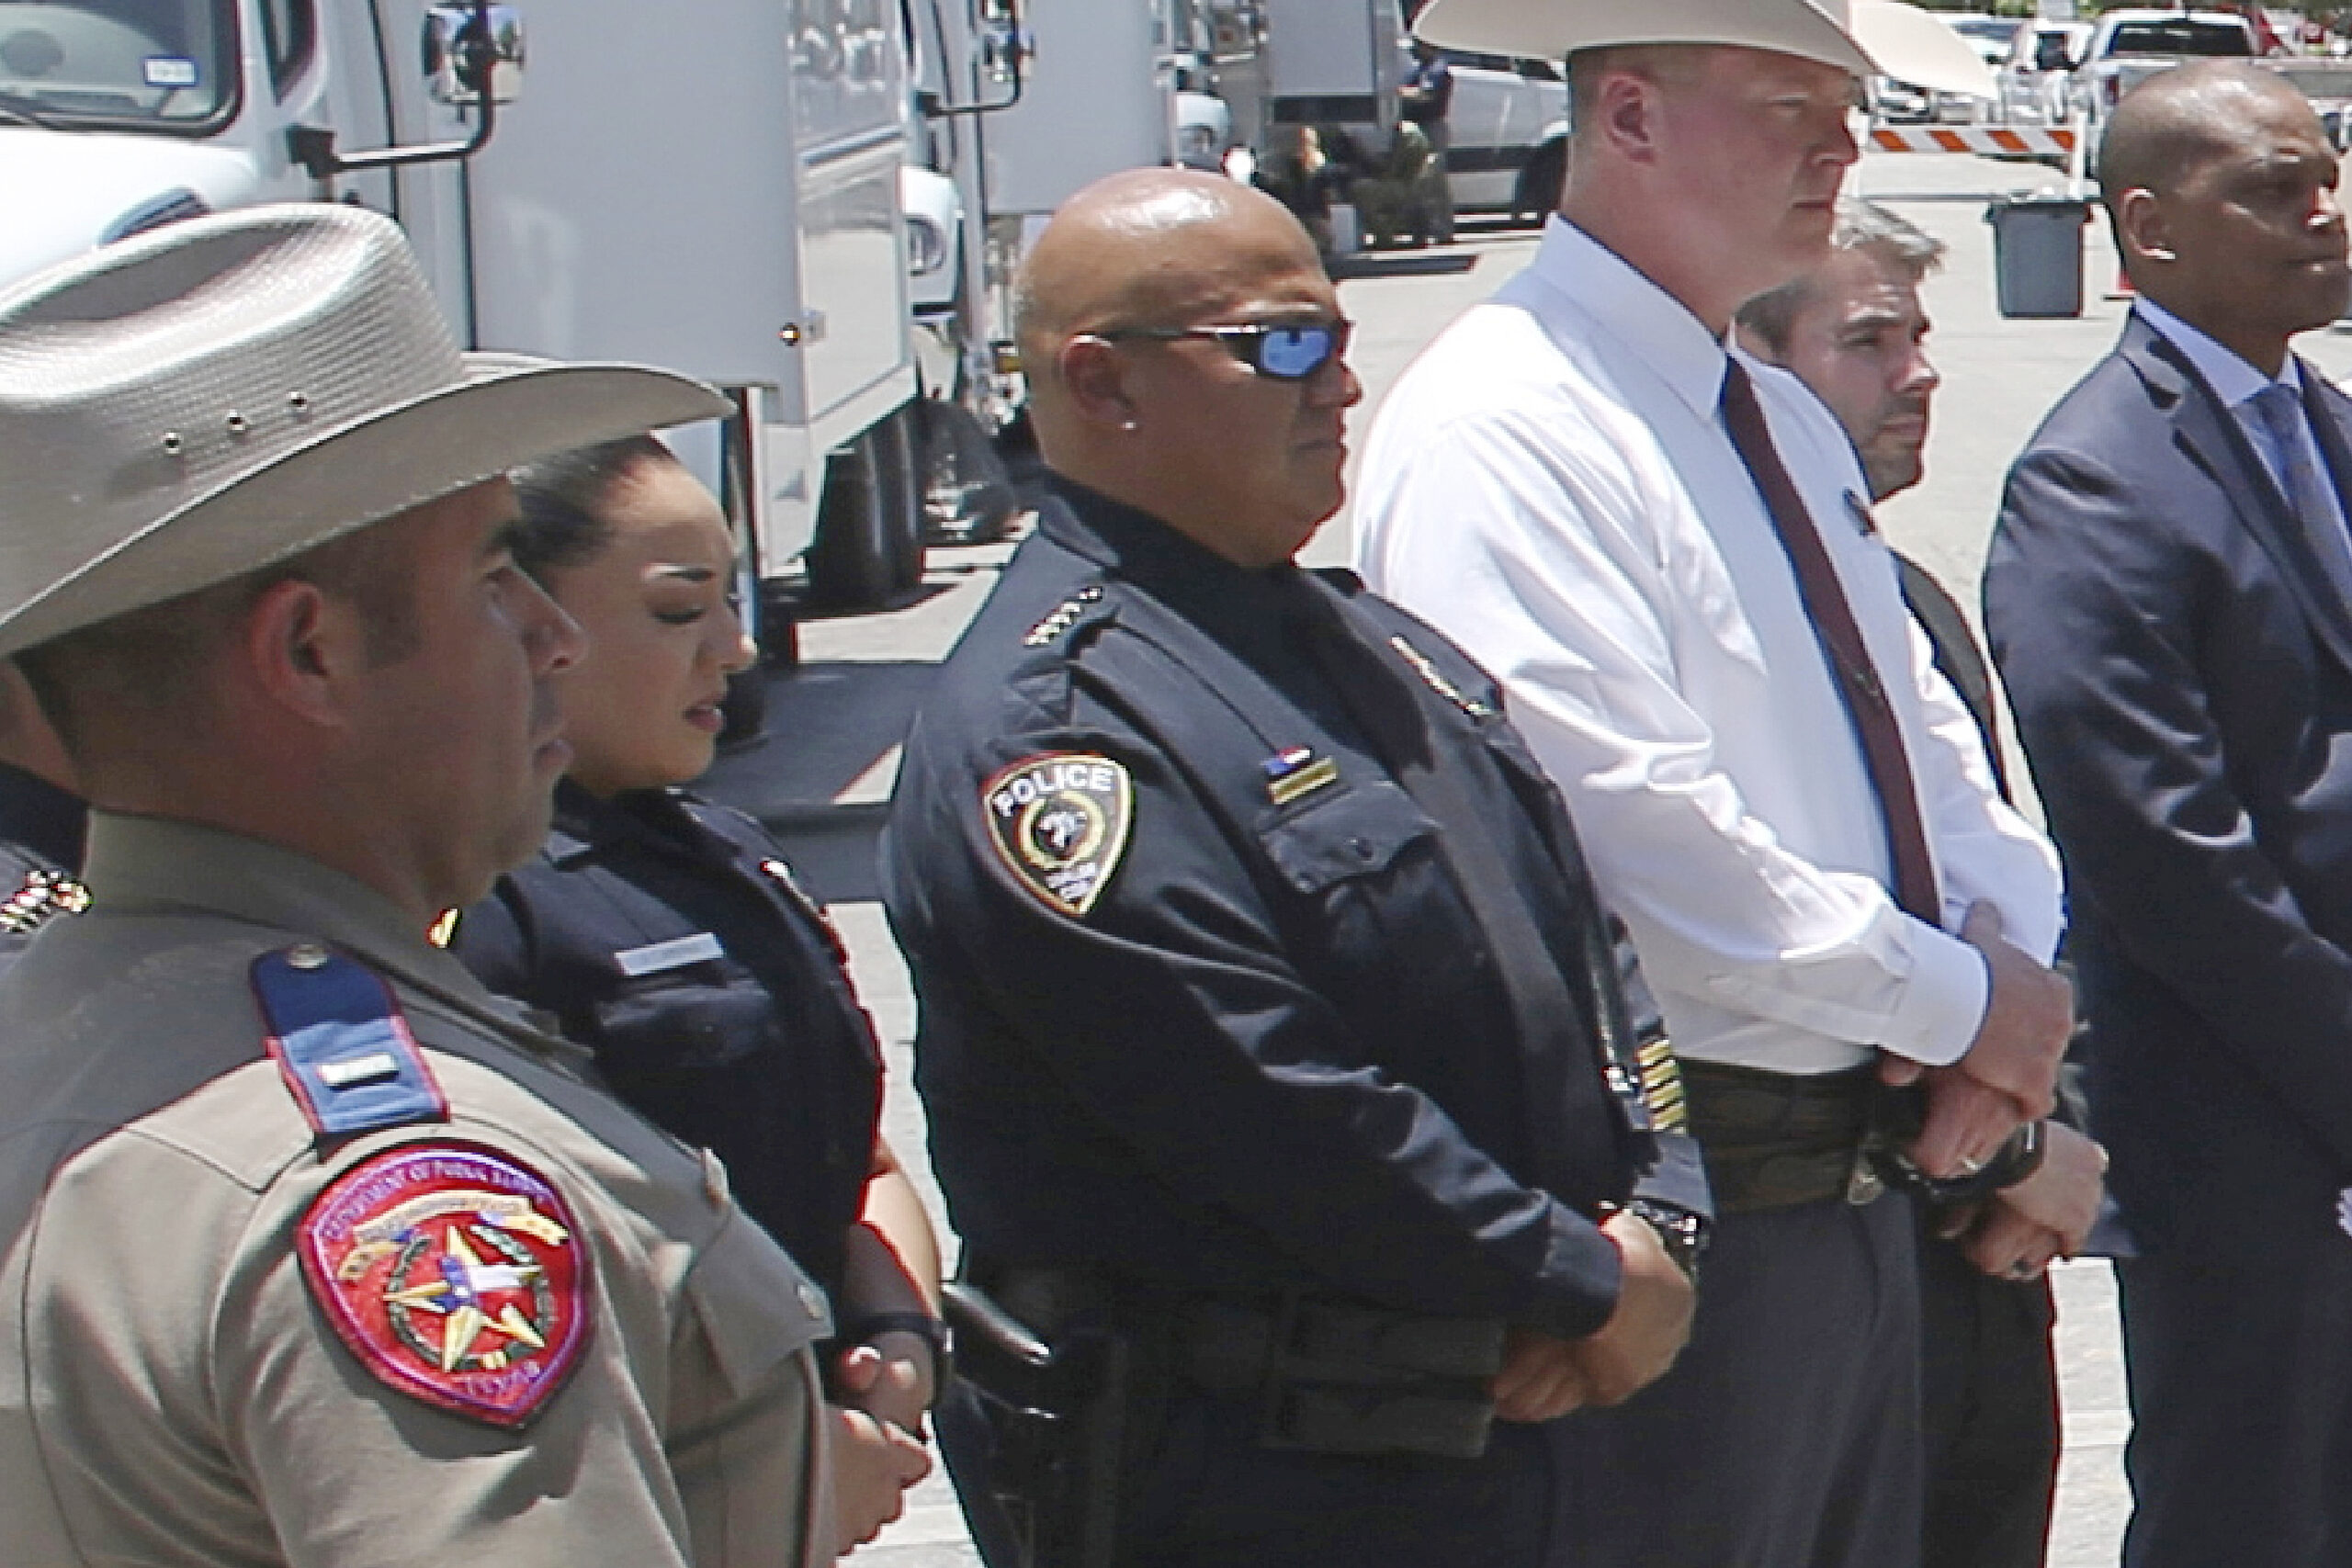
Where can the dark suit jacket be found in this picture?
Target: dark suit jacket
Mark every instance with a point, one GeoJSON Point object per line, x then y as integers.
{"type": "Point", "coordinates": [2179, 653]}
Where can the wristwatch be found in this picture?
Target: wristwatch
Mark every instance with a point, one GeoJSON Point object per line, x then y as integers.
{"type": "Point", "coordinates": [933, 1331]}
{"type": "Point", "coordinates": [1681, 1232]}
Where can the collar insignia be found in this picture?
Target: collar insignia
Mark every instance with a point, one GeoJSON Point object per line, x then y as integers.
{"type": "Point", "coordinates": [455, 1275]}
{"type": "Point", "coordinates": [1435, 680]}
{"type": "Point", "coordinates": [1060, 822]}
{"type": "Point", "coordinates": [1062, 616]}
{"type": "Point", "coordinates": [43, 896]}
{"type": "Point", "coordinates": [1296, 771]}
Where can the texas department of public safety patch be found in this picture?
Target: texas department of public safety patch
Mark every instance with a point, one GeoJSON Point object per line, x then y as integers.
{"type": "Point", "coordinates": [1060, 822]}
{"type": "Point", "coordinates": [455, 1274]}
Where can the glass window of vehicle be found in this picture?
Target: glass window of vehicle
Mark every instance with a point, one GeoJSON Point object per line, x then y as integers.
{"type": "Point", "coordinates": [289, 28]}
{"type": "Point", "coordinates": [2182, 36]}
{"type": "Point", "coordinates": [163, 63]}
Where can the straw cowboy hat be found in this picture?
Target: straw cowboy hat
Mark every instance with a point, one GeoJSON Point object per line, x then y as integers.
{"type": "Point", "coordinates": [197, 402]}
{"type": "Point", "coordinates": [1869, 38]}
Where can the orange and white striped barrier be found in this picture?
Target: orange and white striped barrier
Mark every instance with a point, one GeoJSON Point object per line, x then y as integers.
{"type": "Point", "coordinates": [2018, 142]}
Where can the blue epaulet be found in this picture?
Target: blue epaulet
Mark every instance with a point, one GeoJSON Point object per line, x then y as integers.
{"type": "Point", "coordinates": [341, 1044]}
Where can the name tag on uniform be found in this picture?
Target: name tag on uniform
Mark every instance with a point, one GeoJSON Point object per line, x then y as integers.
{"type": "Point", "coordinates": [699, 948]}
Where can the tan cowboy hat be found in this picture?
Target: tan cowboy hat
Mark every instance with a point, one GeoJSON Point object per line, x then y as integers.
{"type": "Point", "coordinates": [192, 405]}
{"type": "Point", "coordinates": [1869, 38]}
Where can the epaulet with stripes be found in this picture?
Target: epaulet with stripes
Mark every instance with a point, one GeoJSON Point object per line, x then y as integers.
{"type": "Point", "coordinates": [343, 1045]}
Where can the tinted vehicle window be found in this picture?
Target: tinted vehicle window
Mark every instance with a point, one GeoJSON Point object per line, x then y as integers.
{"type": "Point", "coordinates": [161, 61]}
{"type": "Point", "coordinates": [2180, 38]}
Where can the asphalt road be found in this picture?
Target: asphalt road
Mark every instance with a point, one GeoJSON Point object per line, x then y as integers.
{"type": "Point", "coordinates": [822, 773]}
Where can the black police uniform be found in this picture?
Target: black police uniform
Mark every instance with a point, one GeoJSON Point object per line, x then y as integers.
{"type": "Point", "coordinates": [1207, 1023]}
{"type": "Point", "coordinates": [42, 827]}
{"type": "Point", "coordinates": [666, 934]}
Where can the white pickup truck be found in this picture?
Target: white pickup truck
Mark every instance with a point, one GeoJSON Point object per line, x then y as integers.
{"type": "Point", "coordinates": [2128, 47]}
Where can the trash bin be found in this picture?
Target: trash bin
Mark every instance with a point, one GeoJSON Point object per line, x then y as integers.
{"type": "Point", "coordinates": [2038, 253]}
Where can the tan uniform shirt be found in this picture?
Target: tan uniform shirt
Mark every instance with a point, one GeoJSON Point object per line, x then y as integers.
{"type": "Point", "coordinates": [170, 1389]}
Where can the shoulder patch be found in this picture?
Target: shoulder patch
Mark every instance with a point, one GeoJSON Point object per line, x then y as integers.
{"type": "Point", "coordinates": [1060, 822]}
{"type": "Point", "coordinates": [455, 1274]}
{"type": "Point", "coordinates": [341, 1044]}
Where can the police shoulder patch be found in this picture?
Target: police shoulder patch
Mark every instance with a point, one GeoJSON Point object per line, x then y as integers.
{"type": "Point", "coordinates": [1060, 821]}
{"type": "Point", "coordinates": [455, 1274]}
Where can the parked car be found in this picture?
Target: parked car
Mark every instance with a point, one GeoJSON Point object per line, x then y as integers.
{"type": "Point", "coordinates": [2127, 47]}
{"type": "Point", "coordinates": [1507, 126]}
{"type": "Point", "coordinates": [1897, 102]}
{"type": "Point", "coordinates": [2034, 74]}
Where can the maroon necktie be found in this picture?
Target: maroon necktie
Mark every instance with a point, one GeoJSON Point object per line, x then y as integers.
{"type": "Point", "coordinates": [1842, 643]}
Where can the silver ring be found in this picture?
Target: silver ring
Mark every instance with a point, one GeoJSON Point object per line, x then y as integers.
{"type": "Point", "coordinates": [1970, 1167]}
{"type": "Point", "coordinates": [2021, 1270]}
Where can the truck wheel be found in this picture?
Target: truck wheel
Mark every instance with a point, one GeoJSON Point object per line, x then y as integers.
{"type": "Point", "coordinates": [969, 496]}
{"type": "Point", "coordinates": [868, 547]}
{"type": "Point", "coordinates": [1546, 171]}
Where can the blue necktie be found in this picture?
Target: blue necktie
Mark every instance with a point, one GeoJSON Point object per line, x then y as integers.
{"type": "Point", "coordinates": [2305, 488]}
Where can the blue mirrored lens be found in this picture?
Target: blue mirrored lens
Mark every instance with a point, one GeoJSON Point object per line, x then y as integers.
{"type": "Point", "coordinates": [1292, 353]}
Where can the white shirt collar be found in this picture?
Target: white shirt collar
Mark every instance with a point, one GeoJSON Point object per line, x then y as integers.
{"type": "Point", "coordinates": [1655, 326]}
{"type": "Point", "coordinates": [2232, 380]}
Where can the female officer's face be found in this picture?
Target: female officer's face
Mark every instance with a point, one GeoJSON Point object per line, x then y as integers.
{"type": "Point", "coordinates": [641, 709]}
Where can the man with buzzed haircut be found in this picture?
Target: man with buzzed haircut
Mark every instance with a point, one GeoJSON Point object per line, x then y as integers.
{"type": "Point", "coordinates": [2169, 597]}
{"type": "Point", "coordinates": [1271, 1027]}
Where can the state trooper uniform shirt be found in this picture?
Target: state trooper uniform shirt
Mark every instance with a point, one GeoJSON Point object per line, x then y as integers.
{"type": "Point", "coordinates": [515, 1323]}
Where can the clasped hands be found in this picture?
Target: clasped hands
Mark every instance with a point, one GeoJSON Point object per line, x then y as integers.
{"type": "Point", "coordinates": [2008, 1077]}
{"type": "Point", "coordinates": [1544, 1377]}
{"type": "Point", "coordinates": [876, 1434]}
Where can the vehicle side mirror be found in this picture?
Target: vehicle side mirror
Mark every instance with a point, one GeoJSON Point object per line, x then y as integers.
{"type": "Point", "coordinates": [458, 58]}
{"type": "Point", "coordinates": [1005, 48]}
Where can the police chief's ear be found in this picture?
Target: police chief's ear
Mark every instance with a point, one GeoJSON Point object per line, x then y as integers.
{"type": "Point", "coordinates": [1096, 376]}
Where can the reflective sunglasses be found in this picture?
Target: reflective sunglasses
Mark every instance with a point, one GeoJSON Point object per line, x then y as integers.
{"type": "Point", "coordinates": [1281, 352]}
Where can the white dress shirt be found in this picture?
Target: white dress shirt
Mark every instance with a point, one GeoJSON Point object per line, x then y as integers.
{"type": "Point", "coordinates": [2237, 384]}
{"type": "Point", "coordinates": [1552, 485]}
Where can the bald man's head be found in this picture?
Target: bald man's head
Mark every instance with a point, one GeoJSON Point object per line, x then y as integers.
{"type": "Point", "coordinates": [1147, 247]}
{"type": "Point", "coordinates": [2175, 122]}
{"type": "Point", "coordinates": [2221, 183]}
{"type": "Point", "coordinates": [1139, 312]}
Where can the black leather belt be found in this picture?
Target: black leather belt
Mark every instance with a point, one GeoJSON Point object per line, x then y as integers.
{"type": "Point", "coordinates": [1778, 1140]}
{"type": "Point", "coordinates": [1328, 1376]}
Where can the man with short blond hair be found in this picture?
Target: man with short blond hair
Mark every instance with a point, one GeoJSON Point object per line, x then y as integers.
{"type": "Point", "coordinates": [1665, 553]}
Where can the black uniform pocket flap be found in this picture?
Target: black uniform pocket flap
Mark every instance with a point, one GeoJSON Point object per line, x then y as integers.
{"type": "Point", "coordinates": [757, 1308]}
{"type": "Point", "coordinates": [1354, 833]}
{"type": "Point", "coordinates": [681, 1023]}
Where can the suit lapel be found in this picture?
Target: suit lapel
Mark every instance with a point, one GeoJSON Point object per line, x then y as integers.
{"type": "Point", "coordinates": [2314, 561]}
